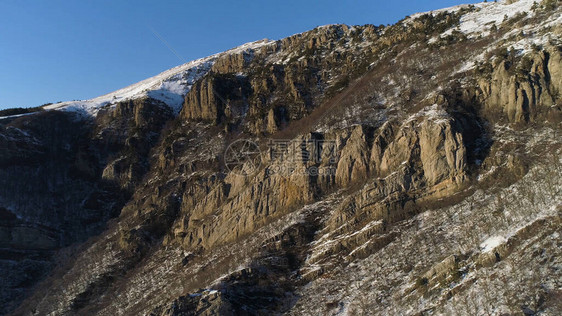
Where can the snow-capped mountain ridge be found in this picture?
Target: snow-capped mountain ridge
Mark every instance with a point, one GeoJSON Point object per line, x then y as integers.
{"type": "Point", "coordinates": [172, 85]}
{"type": "Point", "coordinates": [169, 86]}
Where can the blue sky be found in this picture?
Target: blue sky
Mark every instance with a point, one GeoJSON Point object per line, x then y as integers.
{"type": "Point", "coordinates": [65, 50]}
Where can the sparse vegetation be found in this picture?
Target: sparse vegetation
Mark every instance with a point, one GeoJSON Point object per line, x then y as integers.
{"type": "Point", "coordinates": [18, 111]}
{"type": "Point", "coordinates": [549, 5]}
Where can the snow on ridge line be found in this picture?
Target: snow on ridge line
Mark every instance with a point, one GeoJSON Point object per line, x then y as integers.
{"type": "Point", "coordinates": [492, 12]}
{"type": "Point", "coordinates": [486, 13]}
{"type": "Point", "coordinates": [169, 86]}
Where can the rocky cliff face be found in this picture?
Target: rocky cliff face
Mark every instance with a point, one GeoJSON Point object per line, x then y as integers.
{"type": "Point", "coordinates": [392, 171]}
{"type": "Point", "coordinates": [262, 91]}
{"type": "Point", "coordinates": [63, 179]}
{"type": "Point", "coordinates": [526, 88]}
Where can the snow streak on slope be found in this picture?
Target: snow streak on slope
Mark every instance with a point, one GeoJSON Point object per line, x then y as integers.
{"type": "Point", "coordinates": [480, 21]}
{"type": "Point", "coordinates": [485, 14]}
{"type": "Point", "coordinates": [490, 13]}
{"type": "Point", "coordinates": [169, 87]}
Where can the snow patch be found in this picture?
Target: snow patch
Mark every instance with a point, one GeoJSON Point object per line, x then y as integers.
{"type": "Point", "coordinates": [491, 243]}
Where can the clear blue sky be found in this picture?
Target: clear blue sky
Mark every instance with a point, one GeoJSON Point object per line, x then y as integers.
{"type": "Point", "coordinates": [64, 50]}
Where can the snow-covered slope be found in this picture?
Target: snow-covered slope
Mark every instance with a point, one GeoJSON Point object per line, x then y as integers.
{"type": "Point", "coordinates": [169, 86]}
{"type": "Point", "coordinates": [491, 13]}
{"type": "Point", "coordinates": [485, 17]}
{"type": "Point", "coordinates": [486, 14]}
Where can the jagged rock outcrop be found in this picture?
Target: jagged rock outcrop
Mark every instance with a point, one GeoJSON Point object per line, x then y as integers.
{"type": "Point", "coordinates": [442, 152]}
{"type": "Point", "coordinates": [284, 81]}
{"type": "Point", "coordinates": [128, 132]}
{"type": "Point", "coordinates": [353, 165]}
{"type": "Point", "coordinates": [218, 98]}
{"type": "Point", "coordinates": [522, 89]}
{"type": "Point", "coordinates": [220, 212]}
